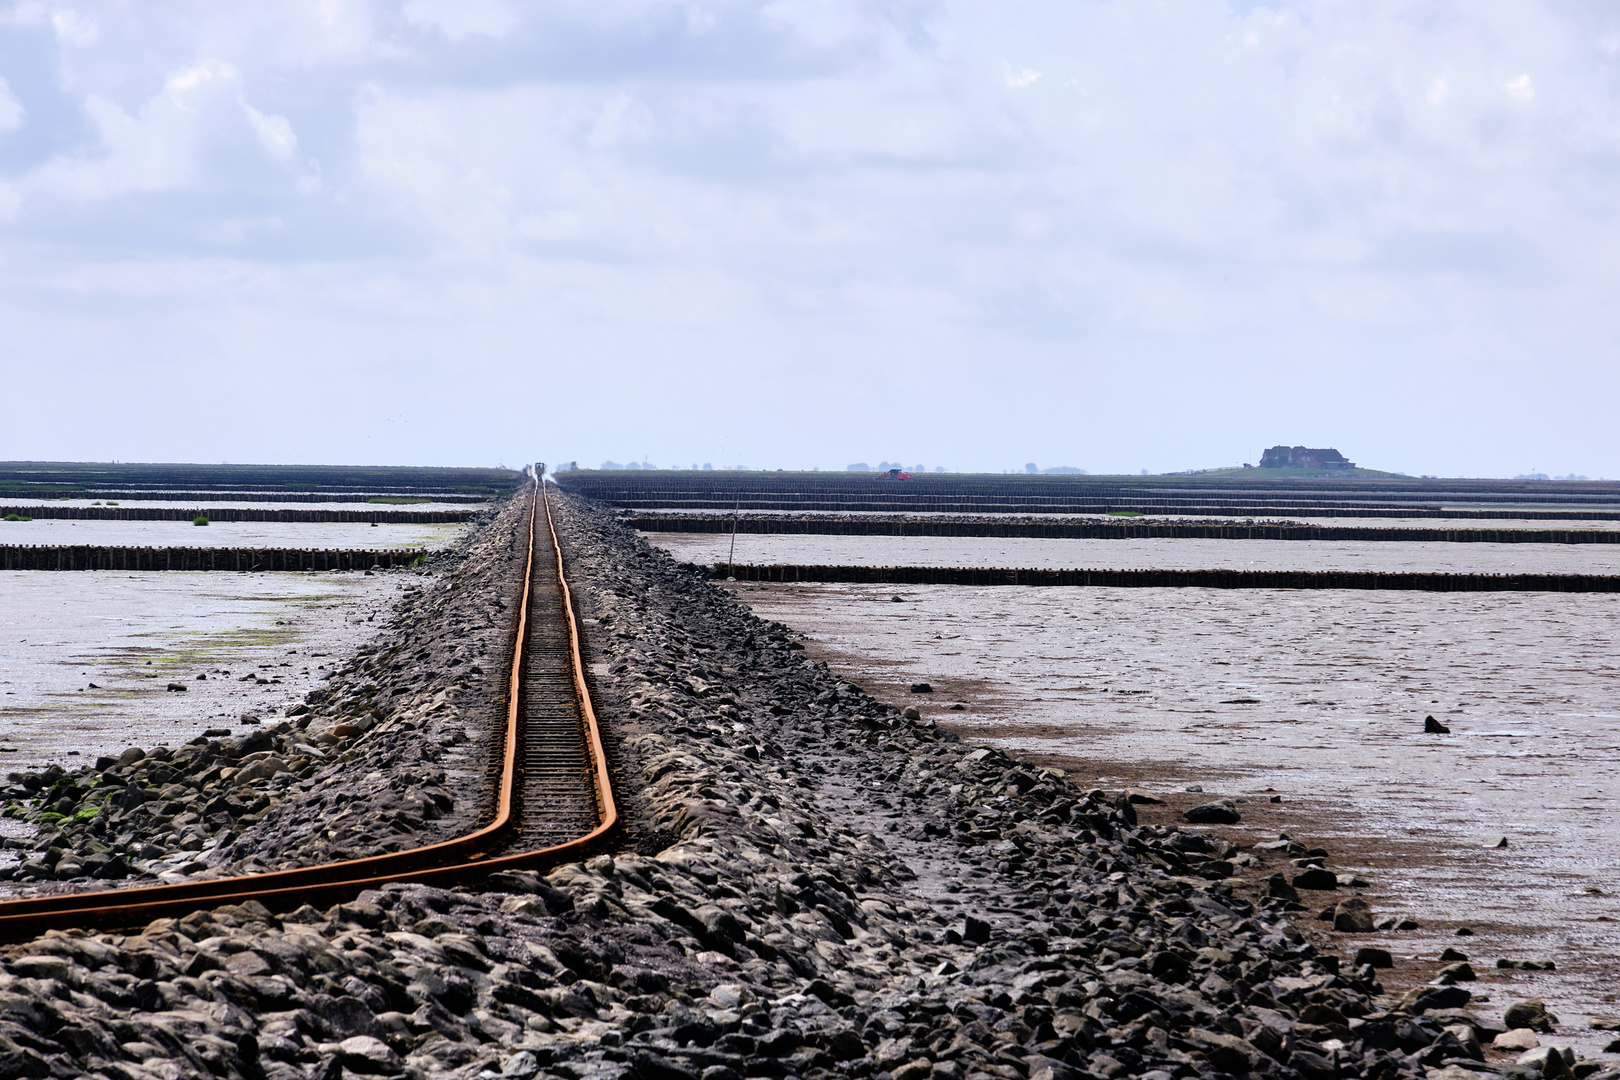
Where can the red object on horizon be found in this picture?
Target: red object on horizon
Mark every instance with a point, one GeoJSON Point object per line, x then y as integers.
{"type": "Point", "coordinates": [897, 474]}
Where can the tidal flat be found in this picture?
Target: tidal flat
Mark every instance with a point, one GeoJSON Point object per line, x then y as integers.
{"type": "Point", "coordinates": [1316, 699]}
{"type": "Point", "coordinates": [322, 535]}
{"type": "Point", "coordinates": [89, 656]}
{"type": "Point", "coordinates": [1384, 556]}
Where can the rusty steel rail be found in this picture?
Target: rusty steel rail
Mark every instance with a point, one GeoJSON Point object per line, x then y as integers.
{"type": "Point", "coordinates": [465, 860]}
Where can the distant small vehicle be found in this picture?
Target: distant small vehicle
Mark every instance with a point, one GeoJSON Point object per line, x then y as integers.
{"type": "Point", "coordinates": [897, 474]}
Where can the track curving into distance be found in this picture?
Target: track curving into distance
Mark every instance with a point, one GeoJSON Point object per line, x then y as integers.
{"type": "Point", "coordinates": [553, 796]}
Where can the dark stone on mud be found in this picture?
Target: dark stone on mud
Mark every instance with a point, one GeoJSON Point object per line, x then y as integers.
{"type": "Point", "coordinates": [1353, 916]}
{"type": "Point", "coordinates": [1378, 958]}
{"type": "Point", "coordinates": [179, 686]}
{"type": "Point", "coordinates": [1432, 726]}
{"type": "Point", "coordinates": [1428, 998]}
{"type": "Point", "coordinates": [1122, 803]}
{"type": "Point", "coordinates": [1447, 1047]}
{"type": "Point", "coordinates": [1549, 1061]}
{"type": "Point", "coordinates": [1317, 879]}
{"type": "Point", "coordinates": [921, 688]}
{"type": "Point", "coordinates": [1221, 812]}
{"type": "Point", "coordinates": [1530, 1013]}
{"type": "Point", "coordinates": [1277, 886]}
{"type": "Point", "coordinates": [976, 931]}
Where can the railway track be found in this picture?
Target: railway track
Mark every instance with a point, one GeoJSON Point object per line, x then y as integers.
{"type": "Point", "coordinates": [553, 797]}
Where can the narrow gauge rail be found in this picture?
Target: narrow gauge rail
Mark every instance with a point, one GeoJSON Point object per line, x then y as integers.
{"type": "Point", "coordinates": [554, 799]}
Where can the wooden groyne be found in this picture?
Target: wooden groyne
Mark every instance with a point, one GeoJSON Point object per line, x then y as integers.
{"type": "Point", "coordinates": [1105, 530]}
{"type": "Point", "coordinates": [84, 557]}
{"type": "Point", "coordinates": [1173, 579]}
{"type": "Point", "coordinates": [239, 513]}
{"type": "Point", "coordinates": [930, 505]}
{"type": "Point", "coordinates": [18, 491]}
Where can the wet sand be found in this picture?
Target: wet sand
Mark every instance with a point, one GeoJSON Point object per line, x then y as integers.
{"type": "Point", "coordinates": [262, 640]}
{"type": "Point", "coordinates": [1159, 554]}
{"type": "Point", "coordinates": [243, 534]}
{"type": "Point", "coordinates": [1316, 698]}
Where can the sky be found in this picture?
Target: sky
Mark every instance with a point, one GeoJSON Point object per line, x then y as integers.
{"type": "Point", "coordinates": [1146, 234]}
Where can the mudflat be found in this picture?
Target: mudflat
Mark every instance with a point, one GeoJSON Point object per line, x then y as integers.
{"type": "Point", "coordinates": [90, 655]}
{"type": "Point", "coordinates": [1157, 554]}
{"type": "Point", "coordinates": [238, 534]}
{"type": "Point", "coordinates": [1317, 699]}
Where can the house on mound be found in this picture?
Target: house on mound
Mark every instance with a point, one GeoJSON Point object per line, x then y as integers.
{"type": "Point", "coordinates": [1300, 457]}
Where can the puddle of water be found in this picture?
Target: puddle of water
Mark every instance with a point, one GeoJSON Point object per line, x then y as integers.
{"type": "Point", "coordinates": [243, 534]}
{"type": "Point", "coordinates": [262, 641]}
{"type": "Point", "coordinates": [1168, 554]}
{"type": "Point", "coordinates": [1143, 686]}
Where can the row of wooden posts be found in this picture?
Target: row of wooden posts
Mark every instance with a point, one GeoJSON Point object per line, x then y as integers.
{"type": "Point", "coordinates": [84, 557]}
{"type": "Point", "coordinates": [1102, 530]}
{"type": "Point", "coordinates": [1172, 579]}
{"type": "Point", "coordinates": [890, 504]}
{"type": "Point", "coordinates": [237, 513]}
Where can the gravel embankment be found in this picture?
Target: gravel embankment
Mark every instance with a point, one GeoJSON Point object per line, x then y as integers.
{"type": "Point", "coordinates": [811, 883]}
{"type": "Point", "coordinates": [391, 753]}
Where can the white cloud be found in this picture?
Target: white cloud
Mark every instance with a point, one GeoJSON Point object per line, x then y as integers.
{"type": "Point", "coordinates": [181, 138]}
{"type": "Point", "coordinates": [73, 28]}
{"type": "Point", "coordinates": [1022, 80]}
{"type": "Point", "coordinates": [11, 110]}
{"type": "Point", "coordinates": [458, 19]}
{"type": "Point", "coordinates": [275, 133]}
{"type": "Point", "coordinates": [237, 230]}
{"type": "Point", "coordinates": [1521, 89]}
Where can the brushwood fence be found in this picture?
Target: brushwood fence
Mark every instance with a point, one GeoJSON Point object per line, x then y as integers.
{"type": "Point", "coordinates": [237, 513]}
{"type": "Point", "coordinates": [22, 491]}
{"type": "Point", "coordinates": [83, 557]}
{"type": "Point", "coordinates": [1094, 530]}
{"type": "Point", "coordinates": [1172, 579]}
{"type": "Point", "coordinates": [932, 505]}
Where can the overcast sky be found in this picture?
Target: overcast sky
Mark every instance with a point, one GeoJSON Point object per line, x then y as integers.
{"type": "Point", "coordinates": [1126, 235]}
